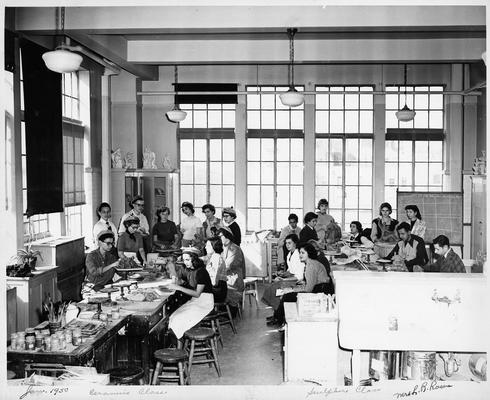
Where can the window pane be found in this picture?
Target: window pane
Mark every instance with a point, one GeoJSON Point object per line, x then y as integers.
{"type": "Point", "coordinates": [282, 149]}
{"type": "Point", "coordinates": [336, 100]}
{"type": "Point", "coordinates": [215, 149]}
{"type": "Point", "coordinates": [421, 119]}
{"type": "Point", "coordinates": [215, 173]}
{"type": "Point", "coordinates": [228, 173]}
{"type": "Point", "coordinates": [228, 149]}
{"type": "Point", "coordinates": [391, 150]}
{"type": "Point", "coordinates": [282, 217]}
{"type": "Point", "coordinates": [335, 174]}
{"type": "Point", "coordinates": [297, 117]}
{"type": "Point", "coordinates": [321, 173]}
{"type": "Point", "coordinates": [282, 119]}
{"type": "Point", "coordinates": [391, 174]}
{"type": "Point", "coordinates": [253, 196]}
{"type": "Point", "coordinates": [336, 122]}
{"type": "Point", "coordinates": [351, 149]}
{"type": "Point", "coordinates": [336, 150]}
{"type": "Point", "coordinates": [321, 149]}
{"type": "Point", "coordinates": [200, 150]}
{"type": "Point", "coordinates": [282, 172]}
{"type": "Point", "coordinates": [215, 195]}
{"type": "Point", "coordinates": [436, 101]}
{"type": "Point", "coordinates": [253, 219]}
{"type": "Point", "coordinates": [365, 174]}
{"type": "Point", "coordinates": [365, 196]}
{"type": "Point", "coordinates": [267, 217]}
{"type": "Point", "coordinates": [200, 195]}
{"type": "Point", "coordinates": [435, 174]}
{"type": "Point", "coordinates": [390, 195]}
{"type": "Point", "coordinates": [391, 121]}
{"type": "Point", "coordinates": [365, 218]}
{"type": "Point", "coordinates": [366, 122]}
{"type": "Point", "coordinates": [228, 119]}
{"type": "Point", "coordinates": [267, 150]}
{"type": "Point", "coordinates": [267, 196]}
{"type": "Point", "coordinates": [321, 122]}
{"type": "Point", "coordinates": [351, 100]}
{"type": "Point", "coordinates": [253, 172]}
{"type": "Point", "coordinates": [351, 174]}
{"type": "Point", "coordinates": [351, 122]}
{"type": "Point", "coordinates": [253, 149]}
{"type": "Point", "coordinates": [351, 197]}
{"type": "Point", "coordinates": [296, 197]}
{"type": "Point", "coordinates": [297, 173]}
{"type": "Point", "coordinates": [186, 172]}
{"type": "Point", "coordinates": [405, 149]}
{"type": "Point", "coordinates": [435, 151]}
{"type": "Point", "coordinates": [421, 151]}
{"type": "Point", "coordinates": [366, 101]}
{"type": "Point", "coordinates": [365, 150]}
{"type": "Point", "coordinates": [268, 99]}
{"type": "Point", "coordinates": [321, 192]}
{"type": "Point", "coordinates": [200, 120]}
{"type": "Point", "coordinates": [436, 120]}
{"type": "Point", "coordinates": [253, 101]}
{"type": "Point", "coordinates": [405, 174]}
{"type": "Point", "coordinates": [283, 196]}
{"type": "Point", "coordinates": [228, 194]}
{"type": "Point", "coordinates": [321, 101]}
{"type": "Point", "coordinates": [296, 149]}
{"type": "Point", "coordinates": [391, 101]}
{"type": "Point", "coordinates": [187, 193]}
{"type": "Point", "coordinates": [267, 172]}
{"type": "Point", "coordinates": [267, 120]}
{"type": "Point", "coordinates": [335, 196]}
{"type": "Point", "coordinates": [253, 119]}
{"type": "Point", "coordinates": [421, 173]}
{"type": "Point", "coordinates": [422, 101]}
{"type": "Point", "coordinates": [200, 172]}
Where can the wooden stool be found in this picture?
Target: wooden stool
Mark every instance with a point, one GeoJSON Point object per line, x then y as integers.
{"type": "Point", "coordinates": [127, 376]}
{"type": "Point", "coordinates": [201, 344]}
{"type": "Point", "coordinates": [165, 358]}
{"type": "Point", "coordinates": [250, 290]}
{"type": "Point", "coordinates": [226, 315]}
{"type": "Point", "coordinates": [212, 320]}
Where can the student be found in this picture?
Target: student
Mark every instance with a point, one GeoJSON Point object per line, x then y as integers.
{"type": "Point", "coordinates": [411, 248]}
{"type": "Point", "coordinates": [448, 260]}
{"type": "Point", "coordinates": [308, 232]}
{"type": "Point", "coordinates": [212, 223]}
{"type": "Point", "coordinates": [384, 227]}
{"type": "Point", "coordinates": [165, 234]}
{"type": "Point", "coordinates": [131, 240]}
{"type": "Point", "coordinates": [190, 226]}
{"type": "Point", "coordinates": [104, 224]}
{"type": "Point", "coordinates": [415, 220]}
{"type": "Point", "coordinates": [291, 228]}
{"type": "Point", "coordinates": [100, 263]}
{"type": "Point", "coordinates": [356, 233]}
{"type": "Point", "coordinates": [137, 205]}
{"type": "Point", "coordinates": [229, 216]}
{"type": "Point", "coordinates": [323, 221]}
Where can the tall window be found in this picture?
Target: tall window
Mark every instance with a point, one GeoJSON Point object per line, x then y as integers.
{"type": "Point", "coordinates": [275, 159]}
{"type": "Point", "coordinates": [344, 127]}
{"type": "Point", "coordinates": [73, 155]}
{"type": "Point", "coordinates": [207, 155]}
{"type": "Point", "coordinates": [414, 150]}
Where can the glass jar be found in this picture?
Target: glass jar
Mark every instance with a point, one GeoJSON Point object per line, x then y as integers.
{"type": "Point", "coordinates": [55, 343]}
{"type": "Point", "coordinates": [39, 342]}
{"type": "Point", "coordinates": [47, 343]}
{"type": "Point", "coordinates": [30, 332]}
{"type": "Point", "coordinates": [13, 341]}
{"type": "Point", "coordinates": [30, 342]}
{"type": "Point", "coordinates": [77, 337]}
{"type": "Point", "coordinates": [68, 336]}
{"type": "Point", "coordinates": [115, 313]}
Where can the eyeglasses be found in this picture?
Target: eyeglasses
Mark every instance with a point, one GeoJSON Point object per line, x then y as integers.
{"type": "Point", "coordinates": [109, 243]}
{"type": "Point", "coordinates": [140, 204]}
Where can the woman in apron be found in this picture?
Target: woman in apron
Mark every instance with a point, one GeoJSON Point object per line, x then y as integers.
{"type": "Point", "coordinates": [201, 291]}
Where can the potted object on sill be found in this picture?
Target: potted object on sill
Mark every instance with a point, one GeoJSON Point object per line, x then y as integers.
{"type": "Point", "coordinates": [28, 257]}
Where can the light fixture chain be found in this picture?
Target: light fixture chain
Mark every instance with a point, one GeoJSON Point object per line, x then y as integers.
{"type": "Point", "coordinates": [62, 19]}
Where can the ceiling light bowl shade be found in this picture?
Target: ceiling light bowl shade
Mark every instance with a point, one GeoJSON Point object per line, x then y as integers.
{"type": "Point", "coordinates": [292, 98]}
{"type": "Point", "coordinates": [62, 61]}
{"type": "Point", "coordinates": [176, 115]}
{"type": "Point", "coordinates": [405, 114]}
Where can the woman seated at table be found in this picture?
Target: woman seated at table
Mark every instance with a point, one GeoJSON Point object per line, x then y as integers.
{"type": "Point", "coordinates": [384, 227]}
{"type": "Point", "coordinates": [417, 226]}
{"type": "Point", "coordinates": [321, 256]}
{"type": "Point", "coordinates": [131, 240]}
{"type": "Point", "coordinates": [100, 263]}
{"type": "Point", "coordinates": [216, 267]}
{"type": "Point", "coordinates": [199, 288]}
{"type": "Point", "coordinates": [235, 268]}
{"type": "Point", "coordinates": [165, 234]}
{"type": "Point", "coordinates": [356, 234]}
{"type": "Point", "coordinates": [316, 281]}
{"type": "Point", "coordinates": [294, 273]}
{"type": "Point", "coordinates": [308, 232]}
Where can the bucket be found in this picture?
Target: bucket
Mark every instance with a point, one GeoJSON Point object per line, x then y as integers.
{"type": "Point", "coordinates": [419, 365]}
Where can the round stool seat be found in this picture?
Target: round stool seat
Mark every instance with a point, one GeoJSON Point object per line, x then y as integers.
{"type": "Point", "coordinates": [199, 333]}
{"type": "Point", "coordinates": [249, 280]}
{"type": "Point", "coordinates": [126, 375]}
{"type": "Point", "coordinates": [167, 356]}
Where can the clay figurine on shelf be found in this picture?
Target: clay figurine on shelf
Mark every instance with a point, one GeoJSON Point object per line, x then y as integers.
{"type": "Point", "coordinates": [149, 159]}
{"type": "Point", "coordinates": [128, 160]}
{"type": "Point", "coordinates": [117, 161]}
{"type": "Point", "coordinates": [166, 163]}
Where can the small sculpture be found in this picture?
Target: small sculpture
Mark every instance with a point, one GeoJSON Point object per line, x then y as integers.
{"type": "Point", "coordinates": [480, 165]}
{"type": "Point", "coordinates": [128, 160]}
{"type": "Point", "coordinates": [166, 163]}
{"type": "Point", "coordinates": [117, 161]}
{"type": "Point", "coordinates": [149, 159]}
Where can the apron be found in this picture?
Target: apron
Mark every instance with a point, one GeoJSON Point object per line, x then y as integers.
{"type": "Point", "coordinates": [191, 313]}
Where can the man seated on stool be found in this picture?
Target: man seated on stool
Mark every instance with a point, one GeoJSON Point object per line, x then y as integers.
{"type": "Point", "coordinates": [410, 249]}
{"type": "Point", "coordinates": [100, 263]}
{"type": "Point", "coordinates": [448, 260]}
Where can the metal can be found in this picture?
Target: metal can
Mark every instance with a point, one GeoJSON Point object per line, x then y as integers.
{"type": "Point", "coordinates": [420, 365]}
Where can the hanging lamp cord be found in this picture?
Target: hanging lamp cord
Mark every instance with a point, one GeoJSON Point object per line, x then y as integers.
{"type": "Point", "coordinates": [405, 80]}
{"type": "Point", "coordinates": [176, 79]}
{"type": "Point", "coordinates": [291, 33]}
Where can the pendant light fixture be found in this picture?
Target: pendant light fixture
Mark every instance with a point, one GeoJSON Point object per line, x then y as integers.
{"type": "Point", "coordinates": [405, 114]}
{"type": "Point", "coordinates": [61, 59]}
{"type": "Point", "coordinates": [176, 114]}
{"type": "Point", "coordinates": [291, 98]}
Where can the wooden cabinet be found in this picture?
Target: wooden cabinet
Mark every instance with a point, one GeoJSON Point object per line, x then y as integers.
{"type": "Point", "coordinates": [478, 215]}
{"type": "Point", "coordinates": [31, 293]}
{"type": "Point", "coordinates": [11, 310]}
{"type": "Point", "coordinates": [69, 255]}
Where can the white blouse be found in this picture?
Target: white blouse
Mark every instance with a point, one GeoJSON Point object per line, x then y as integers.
{"type": "Point", "coordinates": [295, 266]}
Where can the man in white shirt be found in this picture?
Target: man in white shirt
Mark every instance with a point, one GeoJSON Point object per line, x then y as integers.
{"type": "Point", "coordinates": [104, 224]}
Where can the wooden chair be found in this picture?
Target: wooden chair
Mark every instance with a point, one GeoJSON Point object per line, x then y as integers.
{"type": "Point", "coordinates": [250, 290]}
{"type": "Point", "coordinates": [225, 315]}
{"type": "Point", "coordinates": [212, 321]}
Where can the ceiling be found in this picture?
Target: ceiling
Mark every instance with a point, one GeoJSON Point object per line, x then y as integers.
{"type": "Point", "coordinates": [140, 39]}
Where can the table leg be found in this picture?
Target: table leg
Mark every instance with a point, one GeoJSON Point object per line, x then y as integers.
{"type": "Point", "coordinates": [145, 358]}
{"type": "Point", "coordinates": [356, 367]}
